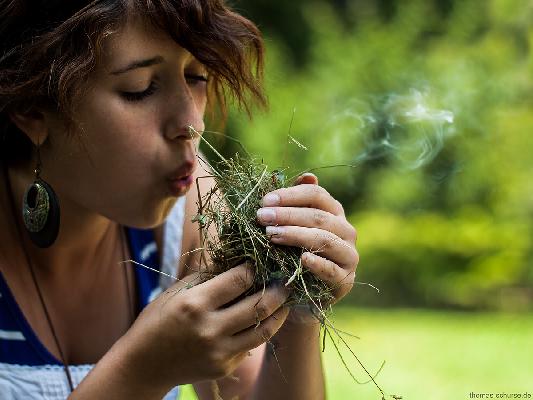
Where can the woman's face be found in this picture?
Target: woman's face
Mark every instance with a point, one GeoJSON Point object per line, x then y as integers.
{"type": "Point", "coordinates": [133, 137]}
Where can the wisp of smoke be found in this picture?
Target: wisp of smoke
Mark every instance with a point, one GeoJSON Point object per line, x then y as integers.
{"type": "Point", "coordinates": [404, 127]}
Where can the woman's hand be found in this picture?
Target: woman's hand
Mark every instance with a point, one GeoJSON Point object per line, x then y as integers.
{"type": "Point", "coordinates": [191, 335]}
{"type": "Point", "coordinates": [306, 216]}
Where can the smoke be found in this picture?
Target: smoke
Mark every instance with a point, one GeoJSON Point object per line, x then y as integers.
{"type": "Point", "coordinates": [406, 128]}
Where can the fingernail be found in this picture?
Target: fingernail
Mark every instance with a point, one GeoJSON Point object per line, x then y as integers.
{"type": "Point", "coordinates": [271, 199]}
{"type": "Point", "coordinates": [307, 177]}
{"type": "Point", "coordinates": [266, 215]}
{"type": "Point", "coordinates": [274, 230]}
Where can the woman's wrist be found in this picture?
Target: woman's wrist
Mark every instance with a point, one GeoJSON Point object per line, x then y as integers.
{"type": "Point", "coordinates": [292, 367]}
{"type": "Point", "coordinates": [143, 364]}
{"type": "Point", "coordinates": [301, 322]}
{"type": "Point", "coordinates": [123, 373]}
{"type": "Point", "coordinates": [304, 314]}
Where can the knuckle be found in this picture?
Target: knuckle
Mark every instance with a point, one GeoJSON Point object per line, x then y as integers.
{"type": "Point", "coordinates": [286, 215]}
{"type": "Point", "coordinates": [191, 309]}
{"type": "Point", "coordinates": [217, 359]}
{"type": "Point", "coordinates": [262, 311]}
{"type": "Point", "coordinates": [327, 242]}
{"type": "Point", "coordinates": [319, 218]}
{"type": "Point", "coordinates": [351, 279]}
{"type": "Point", "coordinates": [318, 192]}
{"type": "Point", "coordinates": [242, 279]}
{"type": "Point", "coordinates": [284, 195]}
{"type": "Point", "coordinates": [267, 331]}
{"type": "Point", "coordinates": [339, 207]}
{"type": "Point", "coordinates": [329, 271]}
{"type": "Point", "coordinates": [356, 262]}
{"type": "Point", "coordinates": [352, 233]}
{"type": "Point", "coordinates": [219, 368]}
{"type": "Point", "coordinates": [207, 338]}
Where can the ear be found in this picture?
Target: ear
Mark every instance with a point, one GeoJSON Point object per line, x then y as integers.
{"type": "Point", "coordinates": [33, 124]}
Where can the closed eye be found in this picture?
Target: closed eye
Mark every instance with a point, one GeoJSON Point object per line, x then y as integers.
{"type": "Point", "coordinates": [138, 96]}
{"type": "Point", "coordinates": [194, 79]}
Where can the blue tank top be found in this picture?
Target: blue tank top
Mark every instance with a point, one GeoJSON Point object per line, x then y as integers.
{"type": "Point", "coordinates": [28, 370]}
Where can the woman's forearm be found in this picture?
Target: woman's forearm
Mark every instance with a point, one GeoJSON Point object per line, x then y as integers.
{"type": "Point", "coordinates": [119, 375]}
{"type": "Point", "coordinates": [292, 367]}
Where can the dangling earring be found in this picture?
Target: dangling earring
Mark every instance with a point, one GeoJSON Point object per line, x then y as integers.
{"type": "Point", "coordinates": [40, 210]}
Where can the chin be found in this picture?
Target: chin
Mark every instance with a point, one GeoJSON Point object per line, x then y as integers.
{"type": "Point", "coordinates": [156, 218]}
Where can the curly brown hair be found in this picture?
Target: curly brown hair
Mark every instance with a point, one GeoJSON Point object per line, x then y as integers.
{"type": "Point", "coordinates": [48, 49]}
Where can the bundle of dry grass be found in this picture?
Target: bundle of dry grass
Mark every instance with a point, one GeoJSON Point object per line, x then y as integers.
{"type": "Point", "coordinates": [231, 207]}
{"type": "Point", "coordinates": [230, 210]}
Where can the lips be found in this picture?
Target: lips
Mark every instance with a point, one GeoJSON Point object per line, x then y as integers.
{"type": "Point", "coordinates": [185, 181]}
{"type": "Point", "coordinates": [179, 187]}
{"type": "Point", "coordinates": [181, 179]}
{"type": "Point", "coordinates": [182, 172]}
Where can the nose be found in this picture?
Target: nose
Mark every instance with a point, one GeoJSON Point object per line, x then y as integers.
{"type": "Point", "coordinates": [186, 131]}
{"type": "Point", "coordinates": [185, 117]}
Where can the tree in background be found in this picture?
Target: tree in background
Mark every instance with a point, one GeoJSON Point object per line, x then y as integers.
{"type": "Point", "coordinates": [456, 231]}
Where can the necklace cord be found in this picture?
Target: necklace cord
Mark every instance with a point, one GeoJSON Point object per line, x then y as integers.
{"type": "Point", "coordinates": [126, 276]}
{"type": "Point", "coordinates": [39, 292]}
{"type": "Point", "coordinates": [34, 279]}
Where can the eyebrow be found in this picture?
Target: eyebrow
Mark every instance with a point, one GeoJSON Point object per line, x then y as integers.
{"type": "Point", "coordinates": [139, 64]}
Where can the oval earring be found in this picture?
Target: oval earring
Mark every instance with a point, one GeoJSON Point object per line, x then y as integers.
{"type": "Point", "coordinates": [40, 210]}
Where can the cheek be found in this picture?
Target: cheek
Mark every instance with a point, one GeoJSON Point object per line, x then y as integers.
{"type": "Point", "coordinates": [128, 133]}
{"type": "Point", "coordinates": [124, 141]}
{"type": "Point", "coordinates": [115, 170]}
{"type": "Point", "coordinates": [200, 99]}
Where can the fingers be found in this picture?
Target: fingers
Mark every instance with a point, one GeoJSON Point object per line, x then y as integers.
{"type": "Point", "coordinates": [259, 334]}
{"type": "Point", "coordinates": [307, 217]}
{"type": "Point", "coordinates": [304, 195]}
{"type": "Point", "coordinates": [253, 309]}
{"type": "Point", "coordinates": [226, 287]}
{"type": "Point", "coordinates": [326, 244]}
{"type": "Point", "coordinates": [339, 279]}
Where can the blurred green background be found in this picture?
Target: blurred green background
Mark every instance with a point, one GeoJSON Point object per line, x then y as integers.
{"type": "Point", "coordinates": [431, 102]}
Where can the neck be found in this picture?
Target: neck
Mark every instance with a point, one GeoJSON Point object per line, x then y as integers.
{"type": "Point", "coordinates": [84, 236]}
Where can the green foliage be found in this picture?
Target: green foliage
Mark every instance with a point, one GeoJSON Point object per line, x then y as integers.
{"type": "Point", "coordinates": [457, 230]}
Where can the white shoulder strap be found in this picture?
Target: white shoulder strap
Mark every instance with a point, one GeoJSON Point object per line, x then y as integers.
{"type": "Point", "coordinates": [172, 238]}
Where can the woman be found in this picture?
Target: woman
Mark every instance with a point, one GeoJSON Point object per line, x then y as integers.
{"type": "Point", "coordinates": [97, 101]}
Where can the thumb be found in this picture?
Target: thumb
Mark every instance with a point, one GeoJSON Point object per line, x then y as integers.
{"type": "Point", "coordinates": [307, 178]}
